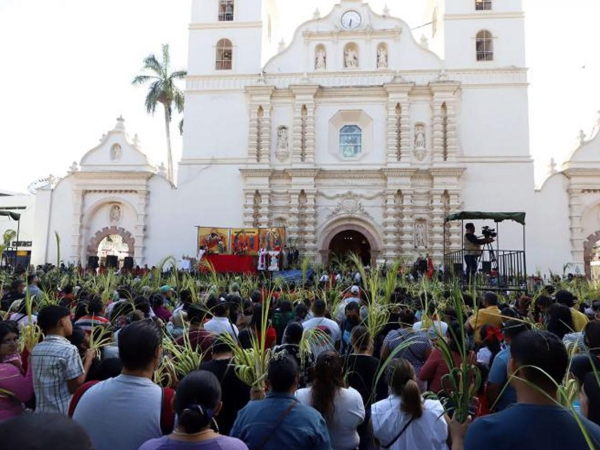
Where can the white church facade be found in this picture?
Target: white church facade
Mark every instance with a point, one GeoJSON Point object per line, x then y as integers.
{"type": "Point", "coordinates": [355, 130]}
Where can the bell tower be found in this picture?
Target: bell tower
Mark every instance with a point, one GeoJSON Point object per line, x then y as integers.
{"type": "Point", "coordinates": [477, 33]}
{"type": "Point", "coordinates": [232, 36]}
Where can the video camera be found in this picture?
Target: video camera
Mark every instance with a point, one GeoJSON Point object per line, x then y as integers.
{"type": "Point", "coordinates": [488, 232]}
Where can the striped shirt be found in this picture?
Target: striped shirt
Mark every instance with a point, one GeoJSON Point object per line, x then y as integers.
{"type": "Point", "coordinates": [55, 361]}
{"type": "Point", "coordinates": [87, 323]}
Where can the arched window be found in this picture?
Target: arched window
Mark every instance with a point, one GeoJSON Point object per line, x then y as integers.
{"type": "Point", "coordinates": [350, 141]}
{"type": "Point", "coordinates": [483, 5]}
{"type": "Point", "coordinates": [226, 8]}
{"type": "Point", "coordinates": [224, 59]}
{"type": "Point", "coordinates": [485, 46]}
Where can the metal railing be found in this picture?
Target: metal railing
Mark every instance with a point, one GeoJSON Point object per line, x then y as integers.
{"type": "Point", "coordinates": [496, 269]}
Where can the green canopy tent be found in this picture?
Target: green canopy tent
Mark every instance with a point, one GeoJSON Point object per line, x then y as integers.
{"type": "Point", "coordinates": [497, 217]}
{"type": "Point", "coordinates": [17, 218]}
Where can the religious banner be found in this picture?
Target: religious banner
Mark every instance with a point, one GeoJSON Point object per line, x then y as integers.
{"type": "Point", "coordinates": [244, 241]}
{"type": "Point", "coordinates": [272, 239]}
{"type": "Point", "coordinates": [214, 240]}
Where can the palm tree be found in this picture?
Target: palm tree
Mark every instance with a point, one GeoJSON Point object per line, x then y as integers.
{"type": "Point", "coordinates": [162, 90]}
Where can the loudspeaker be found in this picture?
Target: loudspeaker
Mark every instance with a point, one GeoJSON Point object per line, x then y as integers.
{"type": "Point", "coordinates": [93, 262]}
{"type": "Point", "coordinates": [458, 268]}
{"type": "Point", "coordinates": [128, 263]}
{"type": "Point", "coordinates": [112, 261]}
{"type": "Point", "coordinates": [486, 266]}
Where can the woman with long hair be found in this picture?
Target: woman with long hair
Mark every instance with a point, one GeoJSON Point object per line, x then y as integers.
{"type": "Point", "coordinates": [197, 403]}
{"type": "Point", "coordinates": [361, 370]}
{"type": "Point", "coordinates": [16, 387]}
{"type": "Point", "coordinates": [341, 407]}
{"type": "Point", "coordinates": [404, 420]}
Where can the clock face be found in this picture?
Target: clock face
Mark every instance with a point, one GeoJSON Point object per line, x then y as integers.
{"type": "Point", "coordinates": [351, 20]}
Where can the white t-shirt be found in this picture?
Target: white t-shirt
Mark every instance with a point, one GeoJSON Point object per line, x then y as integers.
{"type": "Point", "coordinates": [430, 431]}
{"type": "Point", "coordinates": [438, 328]}
{"type": "Point", "coordinates": [484, 356]}
{"type": "Point", "coordinates": [219, 325]}
{"type": "Point", "coordinates": [349, 413]}
{"type": "Point", "coordinates": [316, 322]}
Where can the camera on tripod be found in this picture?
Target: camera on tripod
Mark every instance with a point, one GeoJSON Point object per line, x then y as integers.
{"type": "Point", "coordinates": [488, 232]}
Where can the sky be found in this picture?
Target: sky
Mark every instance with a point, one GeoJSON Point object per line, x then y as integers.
{"type": "Point", "coordinates": [66, 68]}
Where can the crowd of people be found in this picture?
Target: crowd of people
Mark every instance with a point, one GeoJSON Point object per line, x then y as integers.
{"type": "Point", "coordinates": [348, 389]}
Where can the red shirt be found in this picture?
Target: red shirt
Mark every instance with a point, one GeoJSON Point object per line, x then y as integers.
{"type": "Point", "coordinates": [201, 340]}
{"type": "Point", "coordinates": [435, 368]}
{"type": "Point", "coordinates": [270, 338]}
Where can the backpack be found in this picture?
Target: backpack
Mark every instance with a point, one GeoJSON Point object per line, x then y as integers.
{"type": "Point", "coordinates": [167, 416]}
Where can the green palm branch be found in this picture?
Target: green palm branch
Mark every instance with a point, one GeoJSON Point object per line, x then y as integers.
{"type": "Point", "coordinates": [164, 90]}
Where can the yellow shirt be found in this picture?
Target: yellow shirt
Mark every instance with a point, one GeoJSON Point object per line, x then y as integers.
{"type": "Point", "coordinates": [580, 320]}
{"type": "Point", "coordinates": [486, 316]}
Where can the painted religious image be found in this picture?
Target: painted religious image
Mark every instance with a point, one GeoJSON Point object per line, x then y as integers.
{"type": "Point", "coordinates": [245, 241]}
{"type": "Point", "coordinates": [214, 240]}
{"type": "Point", "coordinates": [272, 239]}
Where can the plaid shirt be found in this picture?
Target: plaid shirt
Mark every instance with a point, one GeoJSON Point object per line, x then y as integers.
{"type": "Point", "coordinates": [55, 361]}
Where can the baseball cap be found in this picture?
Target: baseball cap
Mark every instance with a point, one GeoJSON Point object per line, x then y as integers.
{"type": "Point", "coordinates": [355, 290]}
{"type": "Point", "coordinates": [166, 288]}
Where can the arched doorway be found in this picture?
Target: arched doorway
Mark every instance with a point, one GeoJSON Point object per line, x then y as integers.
{"type": "Point", "coordinates": [350, 241]}
{"type": "Point", "coordinates": [110, 243]}
{"type": "Point", "coordinates": [111, 247]}
{"type": "Point", "coordinates": [591, 256]}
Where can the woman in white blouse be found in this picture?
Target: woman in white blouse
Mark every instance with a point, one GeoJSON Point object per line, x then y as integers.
{"type": "Point", "coordinates": [341, 407]}
{"type": "Point", "coordinates": [404, 420]}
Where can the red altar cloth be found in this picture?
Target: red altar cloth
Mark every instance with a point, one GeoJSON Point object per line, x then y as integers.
{"type": "Point", "coordinates": [232, 264]}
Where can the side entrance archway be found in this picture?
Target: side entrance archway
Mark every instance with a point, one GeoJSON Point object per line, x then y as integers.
{"type": "Point", "coordinates": [111, 242]}
{"type": "Point", "coordinates": [591, 256]}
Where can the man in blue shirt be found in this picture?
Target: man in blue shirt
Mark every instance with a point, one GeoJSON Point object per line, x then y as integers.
{"type": "Point", "coordinates": [498, 399]}
{"type": "Point", "coordinates": [538, 363]}
{"type": "Point", "coordinates": [280, 421]}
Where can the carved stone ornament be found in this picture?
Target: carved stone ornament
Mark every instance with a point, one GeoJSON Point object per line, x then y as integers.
{"type": "Point", "coordinates": [115, 213]}
{"type": "Point", "coordinates": [420, 142]}
{"type": "Point", "coordinates": [421, 234]}
{"type": "Point", "coordinates": [351, 58]}
{"type": "Point", "coordinates": [321, 60]}
{"type": "Point", "coordinates": [382, 58]}
{"type": "Point", "coordinates": [115, 152]}
{"type": "Point", "coordinates": [283, 143]}
{"type": "Point", "coordinates": [350, 204]}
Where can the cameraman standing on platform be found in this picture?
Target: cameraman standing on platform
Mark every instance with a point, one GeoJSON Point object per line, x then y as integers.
{"type": "Point", "coordinates": [473, 250]}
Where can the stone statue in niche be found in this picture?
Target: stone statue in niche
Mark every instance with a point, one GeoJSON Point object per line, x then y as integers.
{"type": "Point", "coordinates": [321, 60]}
{"type": "Point", "coordinates": [115, 213]}
{"type": "Point", "coordinates": [382, 58]}
{"type": "Point", "coordinates": [351, 58]}
{"type": "Point", "coordinates": [420, 141]}
{"type": "Point", "coordinates": [282, 139]}
{"type": "Point", "coordinates": [115, 152]}
{"type": "Point", "coordinates": [421, 234]}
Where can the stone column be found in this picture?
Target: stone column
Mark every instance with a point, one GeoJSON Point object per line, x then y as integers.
{"type": "Point", "coordinates": [408, 224]}
{"type": "Point", "coordinates": [293, 221]}
{"type": "Point", "coordinates": [398, 141]}
{"type": "Point", "coordinates": [139, 233]}
{"type": "Point", "coordinates": [259, 137]}
{"type": "Point", "coordinates": [263, 210]}
{"type": "Point", "coordinates": [303, 140]}
{"type": "Point", "coordinates": [265, 135]}
{"type": "Point", "coordinates": [390, 234]}
{"type": "Point", "coordinates": [249, 208]}
{"type": "Point", "coordinates": [76, 253]}
{"type": "Point", "coordinates": [451, 130]}
{"type": "Point", "coordinates": [437, 226]}
{"type": "Point", "coordinates": [311, 224]}
{"type": "Point", "coordinates": [438, 131]}
{"type": "Point", "coordinates": [577, 237]}
{"type": "Point", "coordinates": [455, 227]}
{"type": "Point", "coordinates": [253, 134]}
